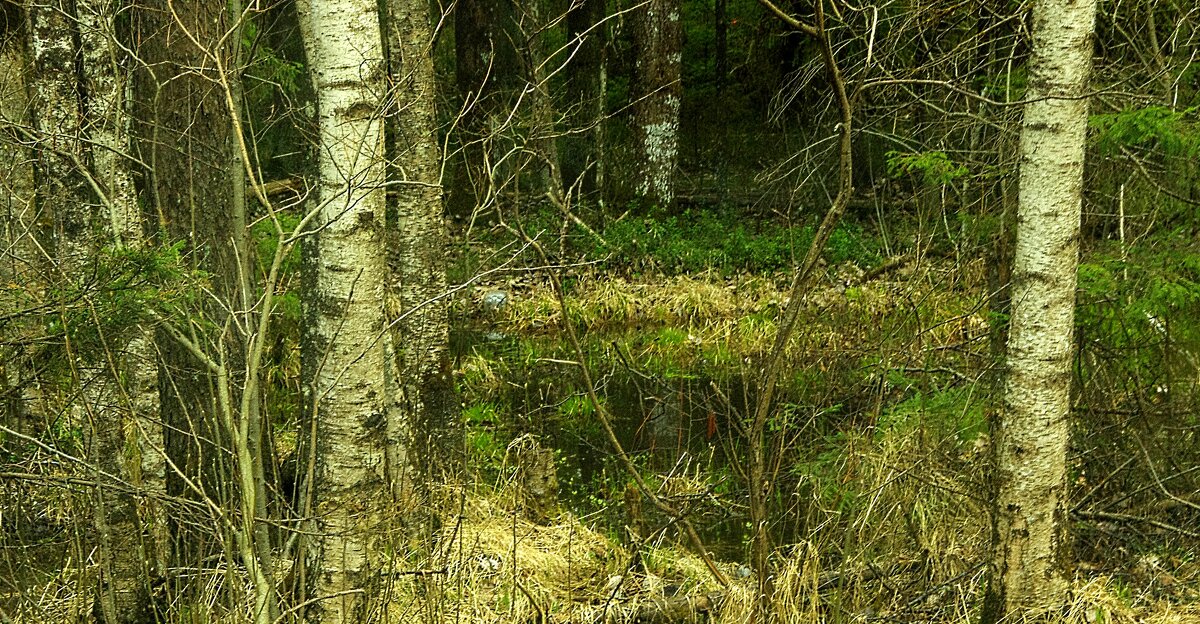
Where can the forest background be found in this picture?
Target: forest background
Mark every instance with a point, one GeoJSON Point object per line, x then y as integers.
{"type": "Point", "coordinates": [550, 310]}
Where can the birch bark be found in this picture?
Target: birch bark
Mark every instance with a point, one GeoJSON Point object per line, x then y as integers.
{"type": "Point", "coordinates": [656, 112]}
{"type": "Point", "coordinates": [84, 180]}
{"type": "Point", "coordinates": [1028, 575]}
{"type": "Point", "coordinates": [419, 424]}
{"type": "Point", "coordinates": [108, 124]}
{"type": "Point", "coordinates": [344, 346]}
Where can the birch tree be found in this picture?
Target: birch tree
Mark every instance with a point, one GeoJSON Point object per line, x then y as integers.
{"type": "Point", "coordinates": [1028, 576]}
{"type": "Point", "coordinates": [84, 179]}
{"type": "Point", "coordinates": [656, 112]}
{"type": "Point", "coordinates": [345, 266]}
{"type": "Point", "coordinates": [417, 245]}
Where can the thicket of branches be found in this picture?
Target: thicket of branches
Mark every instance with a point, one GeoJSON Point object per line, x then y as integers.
{"type": "Point", "coordinates": [170, 196]}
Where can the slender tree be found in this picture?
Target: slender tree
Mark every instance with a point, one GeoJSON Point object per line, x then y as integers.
{"type": "Point", "coordinates": [487, 69]}
{"type": "Point", "coordinates": [16, 187]}
{"type": "Point", "coordinates": [1028, 576]}
{"type": "Point", "coordinates": [18, 218]}
{"type": "Point", "coordinates": [582, 154]}
{"type": "Point", "coordinates": [656, 111]}
{"type": "Point", "coordinates": [419, 425]}
{"type": "Point", "coordinates": [345, 265]}
{"type": "Point", "coordinates": [721, 52]}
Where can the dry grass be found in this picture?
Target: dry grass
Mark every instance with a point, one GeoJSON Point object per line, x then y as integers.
{"type": "Point", "coordinates": [500, 568]}
{"type": "Point", "coordinates": [907, 545]}
{"type": "Point", "coordinates": [738, 314]}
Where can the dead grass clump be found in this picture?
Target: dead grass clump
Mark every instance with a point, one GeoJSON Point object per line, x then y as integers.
{"type": "Point", "coordinates": [617, 302]}
{"type": "Point", "coordinates": [503, 568]}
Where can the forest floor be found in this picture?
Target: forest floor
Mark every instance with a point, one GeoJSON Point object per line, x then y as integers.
{"type": "Point", "coordinates": [879, 443]}
{"type": "Point", "coordinates": [881, 466]}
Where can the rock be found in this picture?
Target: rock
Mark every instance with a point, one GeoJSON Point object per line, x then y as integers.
{"type": "Point", "coordinates": [494, 300]}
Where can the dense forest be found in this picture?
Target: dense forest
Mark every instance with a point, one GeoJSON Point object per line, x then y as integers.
{"type": "Point", "coordinates": [592, 311]}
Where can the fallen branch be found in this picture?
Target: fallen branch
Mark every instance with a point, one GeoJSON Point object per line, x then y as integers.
{"type": "Point", "coordinates": [1127, 518]}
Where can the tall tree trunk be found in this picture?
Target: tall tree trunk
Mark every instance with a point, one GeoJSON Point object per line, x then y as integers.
{"type": "Point", "coordinates": [84, 179]}
{"type": "Point", "coordinates": [16, 185]}
{"type": "Point", "coordinates": [138, 556]}
{"type": "Point", "coordinates": [656, 113]}
{"type": "Point", "coordinates": [346, 268]}
{"type": "Point", "coordinates": [543, 123]}
{"type": "Point", "coordinates": [420, 426]}
{"type": "Point", "coordinates": [17, 218]}
{"type": "Point", "coordinates": [721, 55]}
{"type": "Point", "coordinates": [1030, 443]}
{"type": "Point", "coordinates": [488, 75]}
{"type": "Point", "coordinates": [193, 185]}
{"type": "Point", "coordinates": [585, 97]}
{"type": "Point", "coordinates": [54, 91]}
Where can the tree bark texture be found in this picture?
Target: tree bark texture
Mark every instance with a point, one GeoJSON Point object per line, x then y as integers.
{"type": "Point", "coordinates": [346, 271]}
{"type": "Point", "coordinates": [107, 116]}
{"type": "Point", "coordinates": [585, 97]}
{"type": "Point", "coordinates": [84, 180]}
{"type": "Point", "coordinates": [420, 426]}
{"type": "Point", "coordinates": [54, 94]}
{"type": "Point", "coordinates": [192, 189]}
{"type": "Point", "coordinates": [108, 123]}
{"type": "Point", "coordinates": [656, 113]}
{"type": "Point", "coordinates": [1031, 545]}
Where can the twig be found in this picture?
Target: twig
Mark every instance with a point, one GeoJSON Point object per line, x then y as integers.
{"type": "Point", "coordinates": [1120, 517]}
{"type": "Point", "coordinates": [606, 420]}
{"type": "Point", "coordinates": [1092, 492]}
{"type": "Point", "coordinates": [871, 573]}
{"type": "Point", "coordinates": [759, 483]}
{"type": "Point", "coordinates": [1159, 482]}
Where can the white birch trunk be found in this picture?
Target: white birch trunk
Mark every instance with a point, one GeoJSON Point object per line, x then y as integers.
{"type": "Point", "coordinates": [345, 302]}
{"type": "Point", "coordinates": [1028, 573]}
{"type": "Point", "coordinates": [107, 123]}
{"type": "Point", "coordinates": [53, 88]}
{"type": "Point", "coordinates": [61, 191]}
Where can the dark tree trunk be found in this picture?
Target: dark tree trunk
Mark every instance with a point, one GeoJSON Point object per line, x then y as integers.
{"type": "Point", "coordinates": [488, 75]}
{"type": "Point", "coordinates": [581, 153]}
{"type": "Point", "coordinates": [721, 56]}
{"type": "Point", "coordinates": [194, 185]}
